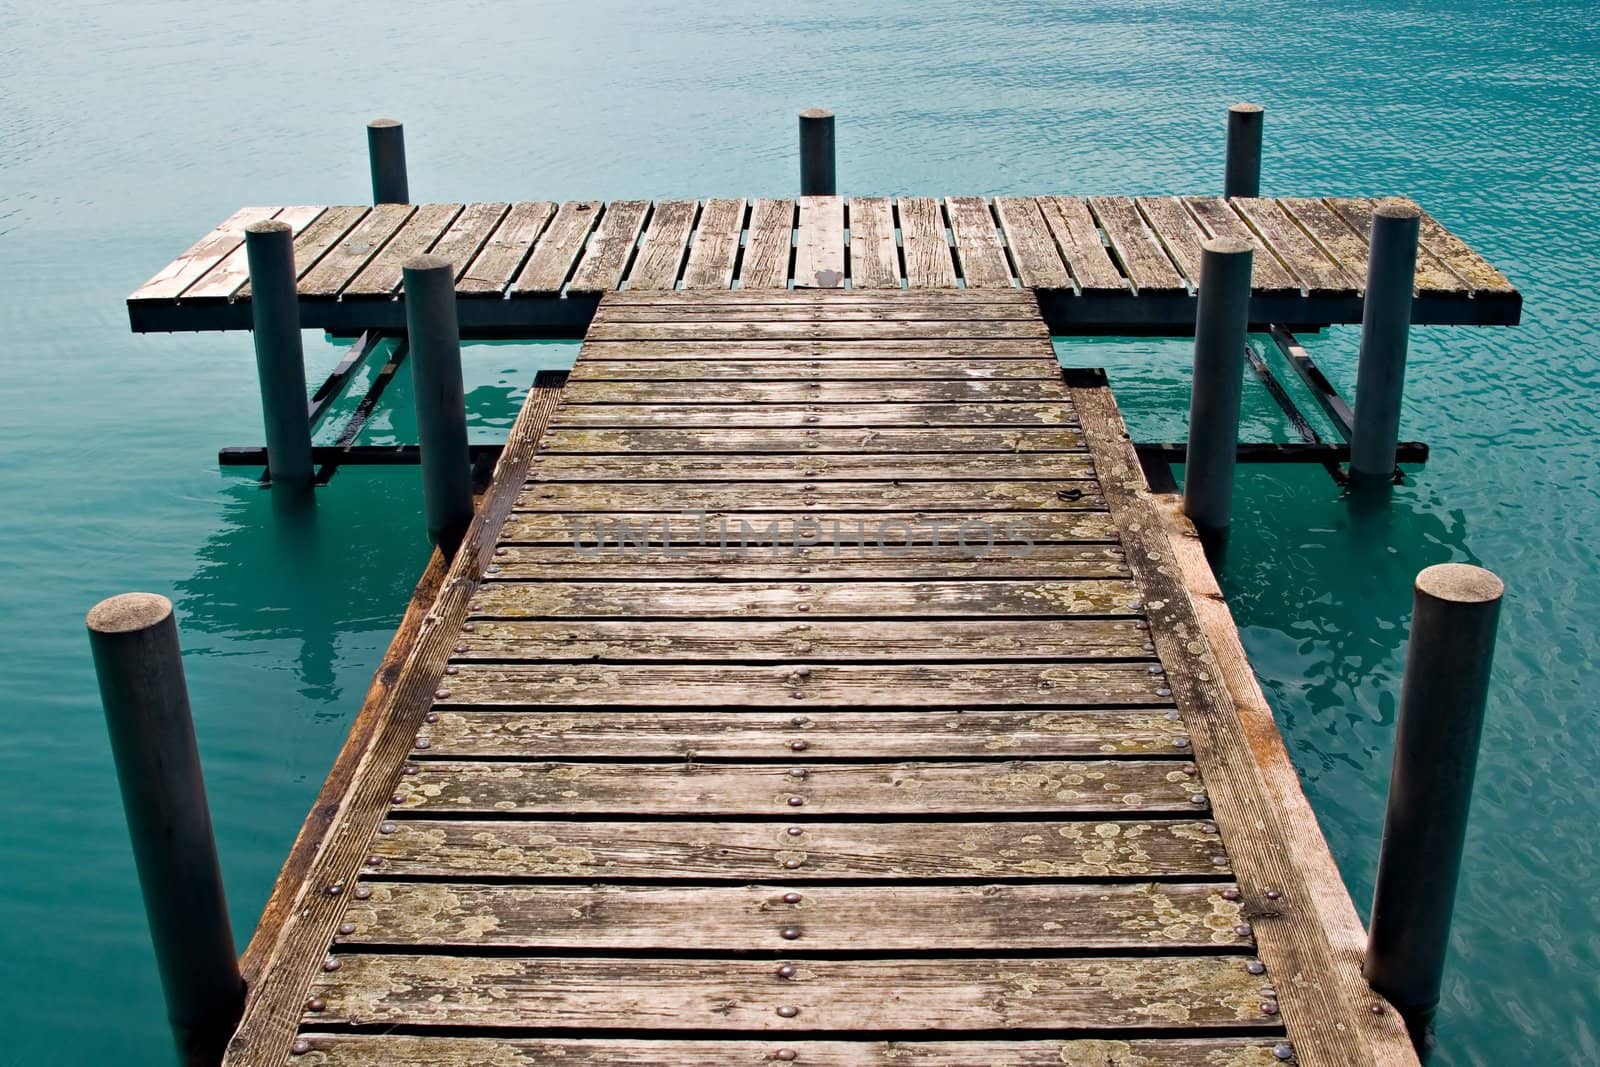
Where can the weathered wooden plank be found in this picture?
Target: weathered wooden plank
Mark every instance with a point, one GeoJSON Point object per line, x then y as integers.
{"type": "Point", "coordinates": [752, 641]}
{"type": "Point", "coordinates": [1177, 231]}
{"type": "Point", "coordinates": [729, 919]}
{"type": "Point", "coordinates": [548, 268]}
{"type": "Point", "coordinates": [820, 350]}
{"type": "Point", "coordinates": [762, 467]}
{"type": "Point", "coordinates": [743, 851]}
{"type": "Point", "coordinates": [1432, 276]}
{"type": "Point", "coordinates": [705, 734]}
{"type": "Point", "coordinates": [1326, 1005]}
{"type": "Point", "coordinates": [1104, 994]}
{"type": "Point", "coordinates": [362, 1050]}
{"type": "Point", "coordinates": [592, 369]}
{"type": "Point", "coordinates": [819, 243]}
{"type": "Point", "coordinates": [880, 531]}
{"type": "Point", "coordinates": [768, 245]}
{"type": "Point", "coordinates": [849, 308]}
{"type": "Point", "coordinates": [381, 277]}
{"type": "Point", "coordinates": [469, 233]}
{"type": "Point", "coordinates": [206, 253]}
{"type": "Point", "coordinates": [503, 254]}
{"type": "Point", "coordinates": [313, 242]}
{"type": "Point", "coordinates": [686, 791]}
{"type": "Point", "coordinates": [874, 255]}
{"type": "Point", "coordinates": [822, 298]}
{"type": "Point", "coordinates": [716, 245]}
{"type": "Point", "coordinates": [817, 442]}
{"type": "Point", "coordinates": [980, 257]}
{"type": "Point", "coordinates": [817, 392]}
{"type": "Point", "coordinates": [611, 248]}
{"type": "Point", "coordinates": [920, 685]}
{"type": "Point", "coordinates": [1136, 248]}
{"type": "Point", "coordinates": [1267, 274]}
{"type": "Point", "coordinates": [819, 415]}
{"type": "Point", "coordinates": [1078, 237]}
{"type": "Point", "coordinates": [1332, 235]}
{"type": "Point", "coordinates": [1459, 259]}
{"type": "Point", "coordinates": [1038, 262]}
{"type": "Point", "coordinates": [222, 281]}
{"type": "Point", "coordinates": [1278, 231]}
{"type": "Point", "coordinates": [1059, 495]}
{"type": "Point", "coordinates": [345, 259]}
{"type": "Point", "coordinates": [622, 557]}
{"type": "Point", "coordinates": [926, 244]}
{"type": "Point", "coordinates": [818, 329]}
{"type": "Point", "coordinates": [662, 250]}
{"type": "Point", "coordinates": [973, 597]}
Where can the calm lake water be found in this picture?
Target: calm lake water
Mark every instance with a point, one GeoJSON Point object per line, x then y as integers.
{"type": "Point", "coordinates": [129, 128]}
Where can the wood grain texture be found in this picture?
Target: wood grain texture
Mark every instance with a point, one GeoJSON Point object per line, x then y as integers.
{"type": "Point", "coordinates": [716, 245]}
{"type": "Point", "coordinates": [734, 919]}
{"type": "Point", "coordinates": [807, 416]}
{"type": "Point", "coordinates": [818, 442]}
{"type": "Point", "coordinates": [769, 245]}
{"type": "Point", "coordinates": [1180, 235]}
{"type": "Point", "coordinates": [1332, 235]}
{"type": "Point", "coordinates": [204, 254]}
{"type": "Point", "coordinates": [874, 253]}
{"type": "Point", "coordinates": [734, 497]}
{"type": "Point", "coordinates": [784, 328]}
{"type": "Point", "coordinates": [683, 562]}
{"type": "Point", "coordinates": [739, 852]}
{"type": "Point", "coordinates": [558, 248]}
{"type": "Point", "coordinates": [1038, 261]}
{"type": "Point", "coordinates": [751, 641]}
{"type": "Point", "coordinates": [506, 249]}
{"type": "Point", "coordinates": [348, 1050]}
{"type": "Point", "coordinates": [801, 369]}
{"type": "Point", "coordinates": [698, 734]}
{"type": "Point", "coordinates": [1136, 248]}
{"type": "Point", "coordinates": [859, 466]}
{"type": "Point", "coordinates": [1078, 237]}
{"type": "Point", "coordinates": [354, 250]}
{"type": "Point", "coordinates": [819, 243]}
{"type": "Point", "coordinates": [815, 391]}
{"type": "Point", "coordinates": [926, 243]}
{"type": "Point", "coordinates": [1217, 217]}
{"type": "Point", "coordinates": [231, 273]}
{"type": "Point", "coordinates": [381, 277]}
{"type": "Point", "coordinates": [467, 235]}
{"type": "Point", "coordinates": [1325, 1002]}
{"type": "Point", "coordinates": [1294, 246]}
{"type": "Point", "coordinates": [981, 258]}
{"type": "Point", "coordinates": [881, 532]}
{"type": "Point", "coordinates": [665, 243]}
{"type": "Point", "coordinates": [1431, 276]}
{"type": "Point", "coordinates": [610, 250]}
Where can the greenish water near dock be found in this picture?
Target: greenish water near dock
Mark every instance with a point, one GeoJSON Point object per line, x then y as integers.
{"type": "Point", "coordinates": [130, 128]}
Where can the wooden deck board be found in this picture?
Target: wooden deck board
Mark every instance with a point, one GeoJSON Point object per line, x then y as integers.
{"type": "Point", "coordinates": [1098, 264]}
{"type": "Point", "coordinates": [749, 773]}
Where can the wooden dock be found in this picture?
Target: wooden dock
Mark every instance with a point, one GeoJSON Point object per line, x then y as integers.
{"type": "Point", "coordinates": [966, 768]}
{"type": "Point", "coordinates": [1097, 264]}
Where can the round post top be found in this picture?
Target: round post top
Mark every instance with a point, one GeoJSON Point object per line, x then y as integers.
{"type": "Point", "coordinates": [816, 113]}
{"type": "Point", "coordinates": [129, 612]}
{"type": "Point", "coordinates": [1228, 246]}
{"type": "Point", "coordinates": [1460, 583]}
{"type": "Point", "coordinates": [381, 124]}
{"type": "Point", "coordinates": [1246, 109]}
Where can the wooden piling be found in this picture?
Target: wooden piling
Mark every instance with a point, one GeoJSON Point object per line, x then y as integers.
{"type": "Point", "coordinates": [435, 339]}
{"type": "Point", "coordinates": [134, 640]}
{"type": "Point", "coordinates": [1241, 175]}
{"type": "Point", "coordinates": [280, 356]}
{"type": "Point", "coordinates": [1385, 330]}
{"type": "Point", "coordinates": [818, 175]}
{"type": "Point", "coordinates": [1220, 325]}
{"type": "Point", "coordinates": [386, 155]}
{"type": "Point", "coordinates": [1442, 698]}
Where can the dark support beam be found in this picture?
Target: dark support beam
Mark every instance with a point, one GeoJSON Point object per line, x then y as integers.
{"type": "Point", "coordinates": [333, 386]}
{"type": "Point", "coordinates": [1327, 397]}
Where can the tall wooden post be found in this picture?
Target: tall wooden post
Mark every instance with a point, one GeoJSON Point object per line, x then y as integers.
{"type": "Point", "coordinates": [435, 338]}
{"type": "Point", "coordinates": [1241, 173]}
{"type": "Point", "coordinates": [1442, 697]}
{"type": "Point", "coordinates": [1221, 321]}
{"type": "Point", "coordinates": [280, 356]}
{"type": "Point", "coordinates": [1385, 334]}
{"type": "Point", "coordinates": [134, 640]}
{"type": "Point", "coordinates": [386, 156]}
{"type": "Point", "coordinates": [818, 176]}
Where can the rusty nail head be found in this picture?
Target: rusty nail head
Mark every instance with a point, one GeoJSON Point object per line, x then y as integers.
{"type": "Point", "coordinates": [790, 933]}
{"type": "Point", "coordinates": [1376, 1009]}
{"type": "Point", "coordinates": [461, 648]}
{"type": "Point", "coordinates": [501, 550]}
{"type": "Point", "coordinates": [788, 1011]}
{"type": "Point", "coordinates": [791, 898]}
{"type": "Point", "coordinates": [373, 861]}
{"type": "Point", "coordinates": [363, 892]}
{"type": "Point", "coordinates": [468, 627]}
{"type": "Point", "coordinates": [805, 570]}
{"type": "Point", "coordinates": [1155, 668]}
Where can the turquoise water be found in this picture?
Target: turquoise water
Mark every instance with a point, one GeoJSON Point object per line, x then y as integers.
{"type": "Point", "coordinates": [128, 128]}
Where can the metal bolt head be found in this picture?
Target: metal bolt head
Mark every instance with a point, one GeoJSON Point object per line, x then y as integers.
{"type": "Point", "coordinates": [347, 929]}
{"type": "Point", "coordinates": [1273, 894]}
{"type": "Point", "coordinates": [1209, 828]}
{"type": "Point", "coordinates": [335, 889]}
{"type": "Point", "coordinates": [1255, 967]}
{"type": "Point", "coordinates": [1155, 668]}
{"type": "Point", "coordinates": [786, 1055]}
{"type": "Point", "coordinates": [316, 1004]}
{"type": "Point", "coordinates": [795, 831]}
{"type": "Point", "coordinates": [1230, 893]}
{"type": "Point", "coordinates": [432, 716]}
{"type": "Point", "coordinates": [300, 1047]}
{"type": "Point", "coordinates": [1197, 798]}
{"type": "Point", "coordinates": [798, 746]}
{"type": "Point", "coordinates": [797, 802]}
{"type": "Point", "coordinates": [802, 607]}
{"type": "Point", "coordinates": [1219, 861]}
{"type": "Point", "coordinates": [799, 720]}
{"type": "Point", "coordinates": [410, 768]}
{"type": "Point", "coordinates": [791, 898]}
{"type": "Point", "coordinates": [1243, 929]}
{"type": "Point", "coordinates": [786, 971]}
{"type": "Point", "coordinates": [1180, 742]}
{"type": "Point", "coordinates": [788, 1011]}
{"type": "Point", "coordinates": [1284, 1051]}
{"type": "Point", "coordinates": [330, 964]}
{"type": "Point", "coordinates": [1269, 1007]}
{"type": "Point", "coordinates": [423, 742]}
{"type": "Point", "coordinates": [797, 772]}
{"type": "Point", "coordinates": [790, 933]}
{"type": "Point", "coordinates": [387, 828]}
{"type": "Point", "coordinates": [363, 892]}
{"type": "Point", "coordinates": [1163, 692]}
{"type": "Point", "coordinates": [792, 865]}
{"type": "Point", "coordinates": [441, 694]}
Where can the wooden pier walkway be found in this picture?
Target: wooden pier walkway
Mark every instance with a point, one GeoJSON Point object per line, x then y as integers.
{"type": "Point", "coordinates": [994, 787]}
{"type": "Point", "coordinates": [1101, 263]}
